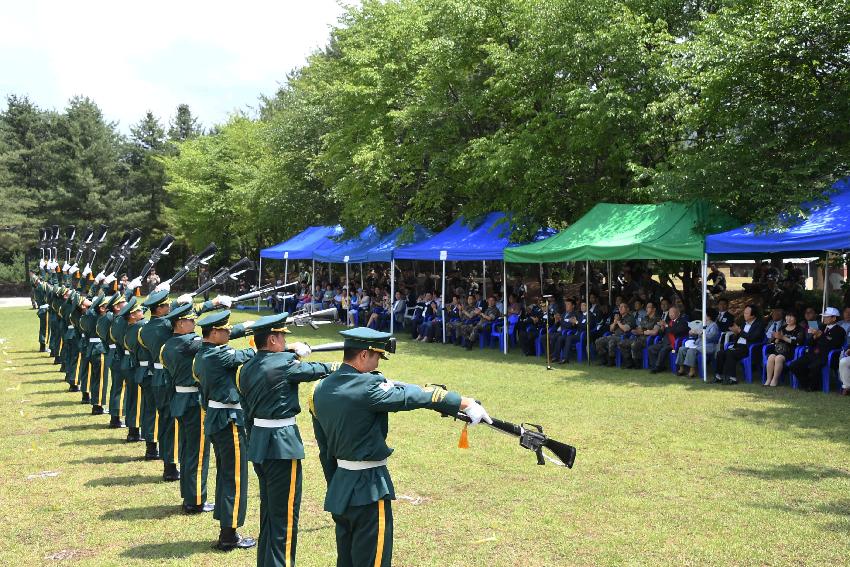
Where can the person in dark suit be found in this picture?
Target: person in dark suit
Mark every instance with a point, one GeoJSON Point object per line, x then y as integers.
{"type": "Point", "coordinates": [674, 329]}
{"type": "Point", "coordinates": [808, 367]}
{"type": "Point", "coordinates": [746, 335]}
{"type": "Point", "coordinates": [724, 318]}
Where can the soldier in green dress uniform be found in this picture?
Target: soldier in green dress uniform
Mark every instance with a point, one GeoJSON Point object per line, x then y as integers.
{"type": "Point", "coordinates": [130, 314]}
{"type": "Point", "coordinates": [95, 355]}
{"type": "Point", "coordinates": [40, 296]}
{"type": "Point", "coordinates": [268, 384]}
{"type": "Point", "coordinates": [215, 369]}
{"type": "Point", "coordinates": [350, 419]}
{"type": "Point", "coordinates": [71, 338]}
{"type": "Point", "coordinates": [140, 369]}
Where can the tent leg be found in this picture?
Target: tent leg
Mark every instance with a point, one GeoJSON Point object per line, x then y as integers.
{"type": "Point", "coordinates": [285, 270]}
{"type": "Point", "coordinates": [610, 286]}
{"type": "Point", "coordinates": [347, 290]}
{"type": "Point", "coordinates": [825, 282]}
{"type": "Point", "coordinates": [260, 282]}
{"type": "Point", "coordinates": [392, 295]}
{"type": "Point", "coordinates": [361, 275]}
{"type": "Point", "coordinates": [541, 279]}
{"type": "Point", "coordinates": [587, 299]}
{"type": "Point", "coordinates": [704, 317]}
{"type": "Point", "coordinates": [505, 306]}
{"type": "Point", "coordinates": [443, 299]}
{"type": "Point", "coordinates": [483, 278]}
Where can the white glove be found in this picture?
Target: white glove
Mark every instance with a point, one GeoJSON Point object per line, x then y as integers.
{"type": "Point", "coordinates": [225, 300]}
{"type": "Point", "coordinates": [134, 283]}
{"type": "Point", "coordinates": [185, 298]}
{"type": "Point", "coordinates": [109, 279]}
{"type": "Point", "coordinates": [163, 286]}
{"type": "Point", "coordinates": [66, 267]}
{"type": "Point", "coordinates": [477, 414]}
{"type": "Point", "coordinates": [51, 265]}
{"type": "Point", "coordinates": [248, 324]}
{"type": "Point", "coordinates": [86, 271]}
{"type": "Point", "coordinates": [301, 350]}
{"type": "Point", "coordinates": [42, 264]}
{"type": "Point", "coordinates": [73, 269]}
{"type": "Point", "coordinates": [100, 277]}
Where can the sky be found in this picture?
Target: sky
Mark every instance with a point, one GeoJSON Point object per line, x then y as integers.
{"type": "Point", "coordinates": [131, 57]}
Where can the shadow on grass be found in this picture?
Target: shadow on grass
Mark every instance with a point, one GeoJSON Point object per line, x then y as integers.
{"type": "Point", "coordinates": [107, 460]}
{"type": "Point", "coordinates": [94, 441]}
{"type": "Point", "coordinates": [81, 413]}
{"type": "Point", "coordinates": [79, 427]}
{"type": "Point", "coordinates": [42, 381]}
{"type": "Point", "coordinates": [168, 550]}
{"type": "Point", "coordinates": [57, 403]}
{"type": "Point", "coordinates": [124, 480]}
{"type": "Point", "coordinates": [793, 472]}
{"type": "Point", "coordinates": [142, 513]}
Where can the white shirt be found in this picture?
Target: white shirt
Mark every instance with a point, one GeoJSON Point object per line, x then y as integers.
{"type": "Point", "coordinates": [742, 340]}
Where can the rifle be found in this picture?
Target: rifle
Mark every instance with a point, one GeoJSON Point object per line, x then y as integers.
{"type": "Point", "coordinates": [233, 272]}
{"type": "Point", "coordinates": [201, 258]}
{"type": "Point", "coordinates": [156, 253]}
{"type": "Point", "coordinates": [54, 246]}
{"type": "Point", "coordinates": [264, 290]}
{"type": "Point", "coordinates": [530, 436]}
{"type": "Point", "coordinates": [70, 236]}
{"type": "Point", "coordinates": [314, 319]}
{"type": "Point", "coordinates": [93, 247]}
{"type": "Point", "coordinates": [42, 242]}
{"type": "Point", "coordinates": [122, 252]}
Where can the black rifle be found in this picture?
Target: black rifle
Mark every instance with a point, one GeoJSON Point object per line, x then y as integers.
{"type": "Point", "coordinates": [265, 290]}
{"type": "Point", "coordinates": [42, 242]}
{"type": "Point", "coordinates": [224, 274]}
{"type": "Point", "coordinates": [94, 246]}
{"type": "Point", "coordinates": [122, 252]}
{"type": "Point", "coordinates": [157, 253]}
{"type": "Point", "coordinates": [314, 318]}
{"type": "Point", "coordinates": [54, 245]}
{"type": "Point", "coordinates": [199, 259]}
{"type": "Point", "coordinates": [530, 436]}
{"type": "Point", "coordinates": [85, 242]}
{"type": "Point", "coordinates": [70, 237]}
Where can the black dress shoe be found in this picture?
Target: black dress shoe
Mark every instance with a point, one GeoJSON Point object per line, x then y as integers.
{"type": "Point", "coordinates": [115, 422]}
{"type": "Point", "coordinates": [86, 398]}
{"type": "Point", "coordinates": [238, 542]}
{"type": "Point", "coordinates": [133, 435]}
{"type": "Point", "coordinates": [731, 382]}
{"type": "Point", "coordinates": [73, 388]}
{"type": "Point", "coordinates": [97, 410]}
{"type": "Point", "coordinates": [41, 348]}
{"type": "Point", "coordinates": [195, 509]}
{"type": "Point", "coordinates": [151, 452]}
{"type": "Point", "coordinates": [56, 360]}
{"type": "Point", "coordinates": [170, 473]}
{"type": "Point", "coordinates": [62, 367]}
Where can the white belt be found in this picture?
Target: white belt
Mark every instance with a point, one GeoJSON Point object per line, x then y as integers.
{"type": "Point", "coordinates": [111, 346]}
{"type": "Point", "coordinates": [45, 306]}
{"type": "Point", "coordinates": [143, 363]}
{"type": "Point", "coordinates": [285, 422]}
{"type": "Point", "coordinates": [70, 327]}
{"type": "Point", "coordinates": [359, 465]}
{"type": "Point", "coordinates": [218, 405]}
{"type": "Point", "coordinates": [185, 389]}
{"type": "Point", "coordinates": [94, 340]}
{"type": "Point", "coordinates": [158, 366]}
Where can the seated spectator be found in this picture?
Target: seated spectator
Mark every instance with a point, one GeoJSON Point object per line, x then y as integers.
{"type": "Point", "coordinates": [664, 307]}
{"type": "Point", "coordinates": [304, 298]}
{"type": "Point", "coordinates": [399, 308]}
{"type": "Point", "coordinates": [467, 318]}
{"type": "Point", "coordinates": [364, 304]}
{"type": "Point", "coordinates": [808, 367]}
{"type": "Point", "coordinates": [486, 318]}
{"type": "Point", "coordinates": [777, 320]}
{"type": "Point", "coordinates": [810, 319]}
{"type": "Point", "coordinates": [344, 304]}
{"type": "Point", "coordinates": [575, 323]}
{"type": "Point", "coordinates": [749, 333]}
{"type": "Point", "coordinates": [784, 341]}
{"type": "Point", "coordinates": [419, 313]}
{"type": "Point", "coordinates": [431, 320]}
{"type": "Point", "coordinates": [771, 294]}
{"type": "Point", "coordinates": [844, 371]}
{"type": "Point", "coordinates": [716, 280]}
{"type": "Point", "coordinates": [529, 329]}
{"type": "Point", "coordinates": [379, 311]}
{"type": "Point", "coordinates": [353, 308]}
{"type": "Point", "coordinates": [845, 320]}
{"type": "Point", "coordinates": [688, 355]}
{"type": "Point", "coordinates": [725, 319]}
{"type": "Point", "coordinates": [646, 327]}
{"type": "Point", "coordinates": [674, 329]}
{"type": "Point", "coordinates": [622, 323]}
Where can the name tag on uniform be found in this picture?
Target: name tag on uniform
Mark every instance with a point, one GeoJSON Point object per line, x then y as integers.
{"type": "Point", "coordinates": [386, 386]}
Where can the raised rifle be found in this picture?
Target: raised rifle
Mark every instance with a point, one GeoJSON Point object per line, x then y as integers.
{"type": "Point", "coordinates": [54, 246]}
{"type": "Point", "coordinates": [92, 247]}
{"type": "Point", "coordinates": [70, 237]}
{"type": "Point", "coordinates": [267, 289]}
{"type": "Point", "coordinates": [199, 259]}
{"type": "Point", "coordinates": [530, 436]}
{"type": "Point", "coordinates": [156, 253]}
{"type": "Point", "coordinates": [224, 274]}
{"type": "Point", "coordinates": [42, 243]}
{"type": "Point", "coordinates": [123, 254]}
{"type": "Point", "coordinates": [312, 318]}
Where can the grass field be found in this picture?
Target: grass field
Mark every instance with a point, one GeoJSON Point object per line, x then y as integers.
{"type": "Point", "coordinates": [669, 471]}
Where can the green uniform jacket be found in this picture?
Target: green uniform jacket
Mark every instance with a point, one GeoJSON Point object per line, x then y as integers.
{"type": "Point", "coordinates": [104, 324]}
{"type": "Point", "coordinates": [177, 355]}
{"type": "Point", "coordinates": [41, 297]}
{"type": "Point", "coordinates": [151, 339]}
{"type": "Point", "coordinates": [88, 322]}
{"type": "Point", "coordinates": [135, 353]}
{"type": "Point", "coordinates": [268, 384]}
{"type": "Point", "coordinates": [214, 367]}
{"type": "Point", "coordinates": [350, 419]}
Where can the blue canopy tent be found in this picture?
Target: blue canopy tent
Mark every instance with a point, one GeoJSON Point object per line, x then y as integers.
{"type": "Point", "coordinates": [824, 228]}
{"type": "Point", "coordinates": [341, 253]}
{"type": "Point", "coordinates": [461, 241]}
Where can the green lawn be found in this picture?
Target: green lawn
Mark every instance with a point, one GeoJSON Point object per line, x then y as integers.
{"type": "Point", "coordinates": [669, 471]}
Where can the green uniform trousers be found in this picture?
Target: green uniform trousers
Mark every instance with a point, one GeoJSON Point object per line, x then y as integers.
{"type": "Point", "coordinates": [98, 379]}
{"type": "Point", "coordinates": [364, 535]}
{"type": "Point", "coordinates": [83, 373]}
{"type": "Point", "coordinates": [74, 358]}
{"type": "Point", "coordinates": [132, 402]}
{"type": "Point", "coordinates": [117, 391]}
{"type": "Point", "coordinates": [231, 476]}
{"type": "Point", "coordinates": [280, 505]}
{"type": "Point", "coordinates": [53, 323]}
{"type": "Point", "coordinates": [149, 426]}
{"type": "Point", "coordinates": [167, 432]}
{"type": "Point", "coordinates": [42, 329]}
{"type": "Point", "coordinates": [194, 456]}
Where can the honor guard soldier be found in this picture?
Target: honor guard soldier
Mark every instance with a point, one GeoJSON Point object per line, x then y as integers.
{"type": "Point", "coordinates": [215, 368]}
{"type": "Point", "coordinates": [350, 419]}
{"type": "Point", "coordinates": [40, 296]}
{"type": "Point", "coordinates": [140, 362]}
{"type": "Point", "coordinates": [193, 446]}
{"type": "Point", "coordinates": [94, 355]}
{"type": "Point", "coordinates": [70, 338]}
{"type": "Point", "coordinates": [152, 337]}
{"type": "Point", "coordinates": [268, 384]}
{"type": "Point", "coordinates": [115, 355]}
{"type": "Point", "coordinates": [126, 319]}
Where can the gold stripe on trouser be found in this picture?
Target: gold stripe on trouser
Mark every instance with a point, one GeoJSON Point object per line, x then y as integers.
{"type": "Point", "coordinates": [47, 334]}
{"type": "Point", "coordinates": [379, 554]}
{"type": "Point", "coordinates": [176, 436]}
{"type": "Point", "coordinates": [100, 393]}
{"type": "Point", "coordinates": [139, 406]}
{"type": "Point", "coordinates": [77, 372]}
{"type": "Point", "coordinates": [290, 512]}
{"type": "Point", "coordinates": [61, 342]}
{"type": "Point", "coordinates": [200, 470]}
{"type": "Point", "coordinates": [156, 425]}
{"type": "Point", "coordinates": [237, 469]}
{"type": "Point", "coordinates": [121, 399]}
{"type": "Point", "coordinates": [88, 375]}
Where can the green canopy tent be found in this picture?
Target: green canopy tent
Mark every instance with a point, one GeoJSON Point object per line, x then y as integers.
{"type": "Point", "coordinates": [610, 231]}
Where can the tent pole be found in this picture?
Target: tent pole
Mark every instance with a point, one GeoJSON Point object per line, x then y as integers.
{"type": "Point", "coordinates": [348, 291]}
{"type": "Point", "coordinates": [443, 299]}
{"type": "Point", "coordinates": [483, 278]}
{"type": "Point", "coordinates": [361, 275]}
{"type": "Point", "coordinates": [313, 279]}
{"type": "Point", "coordinates": [541, 279]}
{"type": "Point", "coordinates": [285, 270]}
{"type": "Point", "coordinates": [392, 295]}
{"type": "Point", "coordinates": [704, 317]}
{"type": "Point", "coordinates": [825, 282]}
{"type": "Point", "coordinates": [260, 281]}
{"type": "Point", "coordinates": [587, 300]}
{"type": "Point", "coordinates": [505, 305]}
{"type": "Point", "coordinates": [610, 286]}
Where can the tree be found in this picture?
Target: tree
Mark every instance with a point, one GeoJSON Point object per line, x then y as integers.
{"type": "Point", "coordinates": [184, 126]}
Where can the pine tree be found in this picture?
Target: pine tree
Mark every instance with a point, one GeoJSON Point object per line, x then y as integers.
{"type": "Point", "coordinates": [184, 126]}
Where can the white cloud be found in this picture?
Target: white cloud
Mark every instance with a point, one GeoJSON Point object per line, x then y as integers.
{"type": "Point", "coordinates": [131, 57]}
